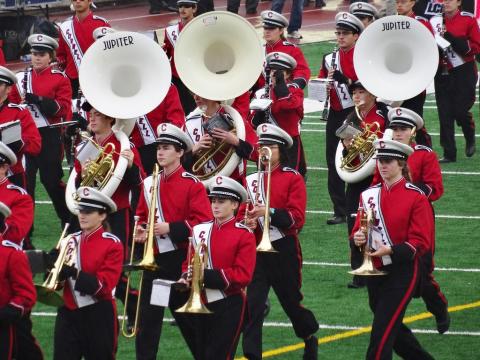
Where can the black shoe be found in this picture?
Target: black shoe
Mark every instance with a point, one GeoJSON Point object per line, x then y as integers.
{"type": "Point", "coordinates": [311, 348]}
{"type": "Point", "coordinates": [320, 4]}
{"type": "Point", "coordinates": [446, 160]}
{"type": "Point", "coordinates": [251, 11]}
{"type": "Point", "coordinates": [267, 309]}
{"type": "Point", "coordinates": [443, 321]}
{"type": "Point", "coordinates": [336, 219]}
{"type": "Point", "coordinates": [470, 148]}
{"type": "Point", "coordinates": [357, 283]}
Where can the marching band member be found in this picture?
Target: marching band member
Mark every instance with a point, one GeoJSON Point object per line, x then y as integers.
{"type": "Point", "coordinates": [425, 173]}
{"type": "Point", "coordinates": [229, 269]}
{"type": "Point", "coordinates": [2, 56]}
{"type": "Point", "coordinates": [143, 135]}
{"type": "Point", "coordinates": [367, 13]}
{"type": "Point", "coordinates": [18, 295]}
{"type": "Point", "coordinates": [187, 9]}
{"type": "Point", "coordinates": [203, 140]}
{"type": "Point", "coordinates": [281, 271]}
{"type": "Point", "coordinates": [274, 25]}
{"type": "Point", "coordinates": [286, 110]}
{"type": "Point", "coordinates": [182, 203]}
{"type": "Point", "coordinates": [455, 92]}
{"type": "Point", "coordinates": [399, 243]}
{"type": "Point", "coordinates": [86, 325]}
{"type": "Point", "coordinates": [76, 36]}
{"type": "Point", "coordinates": [48, 94]}
{"type": "Point", "coordinates": [31, 141]}
{"type": "Point", "coordinates": [348, 29]}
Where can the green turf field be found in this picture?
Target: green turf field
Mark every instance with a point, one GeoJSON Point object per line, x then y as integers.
{"type": "Point", "coordinates": [326, 253]}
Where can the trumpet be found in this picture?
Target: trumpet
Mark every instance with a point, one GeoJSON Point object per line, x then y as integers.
{"type": "Point", "coordinates": [326, 104]}
{"type": "Point", "coordinates": [194, 304]}
{"type": "Point", "coordinates": [265, 244]}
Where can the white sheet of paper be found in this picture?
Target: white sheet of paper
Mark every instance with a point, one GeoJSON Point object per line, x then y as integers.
{"type": "Point", "coordinates": [260, 104]}
{"type": "Point", "coordinates": [11, 132]}
{"type": "Point", "coordinates": [161, 292]}
{"type": "Point", "coordinates": [87, 151]}
{"type": "Point", "coordinates": [317, 89]}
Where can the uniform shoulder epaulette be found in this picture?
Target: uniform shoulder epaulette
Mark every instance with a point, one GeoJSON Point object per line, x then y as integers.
{"type": "Point", "coordinates": [413, 187]}
{"type": "Point", "coordinates": [195, 114]}
{"type": "Point", "coordinates": [423, 147]}
{"type": "Point", "coordinates": [76, 233]}
{"type": "Point", "coordinates": [288, 43]}
{"type": "Point", "coordinates": [18, 188]}
{"type": "Point", "coordinates": [242, 226]}
{"type": "Point", "coordinates": [289, 169]}
{"type": "Point", "coordinates": [188, 175]}
{"type": "Point", "coordinates": [60, 72]}
{"type": "Point", "coordinates": [18, 106]}
{"type": "Point", "coordinates": [375, 186]}
{"type": "Point", "coordinates": [421, 18]}
{"type": "Point", "coordinates": [110, 236]}
{"type": "Point", "coordinates": [380, 113]}
{"type": "Point", "coordinates": [466, 13]}
{"type": "Point", "coordinates": [96, 17]}
{"type": "Point", "coordinates": [132, 145]}
{"type": "Point", "coordinates": [11, 244]}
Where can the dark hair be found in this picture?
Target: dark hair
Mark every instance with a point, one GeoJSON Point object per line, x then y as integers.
{"type": "Point", "coordinates": [405, 169]}
{"type": "Point", "coordinates": [284, 158]}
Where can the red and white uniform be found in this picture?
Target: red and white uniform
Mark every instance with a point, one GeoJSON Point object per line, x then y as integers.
{"type": "Point", "coordinates": [99, 254]}
{"type": "Point", "coordinates": [32, 142]}
{"type": "Point", "coordinates": [287, 112]}
{"type": "Point", "coordinates": [49, 83]}
{"type": "Point", "coordinates": [169, 111]}
{"type": "Point", "coordinates": [121, 196]}
{"type": "Point", "coordinates": [231, 252]}
{"type": "Point", "coordinates": [340, 97]}
{"type": "Point", "coordinates": [422, 20]}
{"type": "Point", "coordinates": [169, 42]}
{"type": "Point", "coordinates": [182, 202]}
{"type": "Point", "coordinates": [409, 234]}
{"type": "Point", "coordinates": [18, 224]}
{"type": "Point", "coordinates": [75, 38]}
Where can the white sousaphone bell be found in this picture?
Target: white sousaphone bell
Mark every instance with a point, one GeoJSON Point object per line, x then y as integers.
{"type": "Point", "coordinates": [395, 59]}
{"type": "Point", "coordinates": [123, 75]}
{"type": "Point", "coordinates": [219, 56]}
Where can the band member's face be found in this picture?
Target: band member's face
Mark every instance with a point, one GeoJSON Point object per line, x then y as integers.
{"type": "Point", "coordinates": [199, 101]}
{"type": "Point", "coordinates": [223, 209]}
{"type": "Point", "coordinates": [272, 35]}
{"type": "Point", "coordinates": [389, 169]}
{"type": "Point", "coordinates": [362, 98]}
{"type": "Point", "coordinates": [451, 5]}
{"type": "Point", "coordinates": [402, 134]}
{"type": "Point", "coordinates": [4, 91]}
{"type": "Point", "coordinates": [404, 7]}
{"type": "Point", "coordinates": [167, 155]}
{"type": "Point", "coordinates": [81, 5]}
{"type": "Point", "coordinates": [3, 170]}
{"type": "Point", "coordinates": [90, 220]}
{"type": "Point", "coordinates": [187, 12]}
{"type": "Point", "coordinates": [345, 38]}
{"type": "Point", "coordinates": [100, 123]}
{"type": "Point", "coordinates": [40, 59]}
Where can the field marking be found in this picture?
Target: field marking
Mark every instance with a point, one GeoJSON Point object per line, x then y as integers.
{"type": "Point", "coordinates": [472, 217]}
{"type": "Point", "coordinates": [360, 331]}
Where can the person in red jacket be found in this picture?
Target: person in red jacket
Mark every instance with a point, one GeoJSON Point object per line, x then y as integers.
{"type": "Point", "coordinates": [30, 142]}
{"type": "Point", "coordinates": [182, 203]}
{"type": "Point", "coordinates": [76, 36]}
{"type": "Point", "coordinates": [86, 324]}
{"type": "Point", "coordinates": [286, 109]}
{"type": "Point", "coordinates": [229, 256]}
{"type": "Point", "coordinates": [425, 173]}
{"type": "Point", "coordinates": [18, 295]}
{"type": "Point", "coordinates": [338, 66]}
{"type": "Point", "coordinates": [47, 93]}
{"type": "Point", "coordinates": [396, 244]}
{"type": "Point", "coordinates": [2, 56]}
{"type": "Point", "coordinates": [282, 271]}
{"type": "Point", "coordinates": [455, 92]}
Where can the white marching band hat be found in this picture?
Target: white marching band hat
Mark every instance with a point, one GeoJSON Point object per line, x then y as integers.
{"type": "Point", "coordinates": [400, 116]}
{"type": "Point", "coordinates": [269, 134]}
{"type": "Point", "coordinates": [171, 134]}
{"type": "Point", "coordinates": [225, 187]}
{"type": "Point", "coordinates": [7, 76]}
{"type": "Point", "coordinates": [391, 149]}
{"type": "Point", "coordinates": [187, 2]}
{"type": "Point", "coordinates": [347, 21]}
{"type": "Point", "coordinates": [363, 9]}
{"type": "Point", "coordinates": [89, 198]}
{"type": "Point", "coordinates": [272, 19]}
{"type": "Point", "coordinates": [5, 210]}
{"type": "Point", "coordinates": [280, 60]}
{"type": "Point", "coordinates": [6, 154]}
{"type": "Point", "coordinates": [101, 32]}
{"type": "Point", "coordinates": [42, 42]}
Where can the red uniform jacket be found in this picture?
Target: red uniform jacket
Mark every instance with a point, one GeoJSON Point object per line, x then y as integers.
{"type": "Point", "coordinates": [32, 142]}
{"type": "Point", "coordinates": [84, 37]}
{"type": "Point", "coordinates": [288, 111]}
{"type": "Point", "coordinates": [231, 253]}
{"type": "Point", "coordinates": [169, 111]}
{"type": "Point", "coordinates": [49, 83]}
{"type": "Point", "coordinates": [425, 172]}
{"type": "Point", "coordinates": [18, 224]}
{"type": "Point", "coordinates": [121, 196]}
{"type": "Point", "coordinates": [101, 256]}
{"type": "Point", "coordinates": [410, 233]}
{"type": "Point", "coordinates": [242, 104]}
{"type": "Point", "coordinates": [464, 25]}
{"type": "Point", "coordinates": [169, 42]}
{"type": "Point", "coordinates": [2, 57]}
{"type": "Point", "coordinates": [184, 204]}
{"type": "Point", "coordinates": [345, 59]}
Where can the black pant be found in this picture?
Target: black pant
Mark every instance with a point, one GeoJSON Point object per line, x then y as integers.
{"type": "Point", "coordinates": [186, 98]}
{"type": "Point", "coordinates": [416, 104]}
{"type": "Point", "coordinates": [49, 164]}
{"type": "Point", "coordinates": [431, 294]}
{"type": "Point", "coordinates": [7, 341]}
{"type": "Point", "coordinates": [251, 5]}
{"type": "Point", "coordinates": [296, 156]}
{"type": "Point", "coordinates": [214, 336]}
{"type": "Point", "coordinates": [389, 296]}
{"type": "Point", "coordinates": [148, 156]}
{"type": "Point", "coordinates": [27, 346]}
{"type": "Point", "coordinates": [75, 84]}
{"type": "Point", "coordinates": [455, 95]}
{"type": "Point", "coordinates": [336, 186]}
{"type": "Point", "coordinates": [151, 316]}
{"type": "Point", "coordinates": [205, 6]}
{"type": "Point", "coordinates": [90, 331]}
{"type": "Point", "coordinates": [282, 272]}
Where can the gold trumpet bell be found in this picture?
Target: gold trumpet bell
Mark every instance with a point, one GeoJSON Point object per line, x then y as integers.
{"type": "Point", "coordinates": [367, 268]}
{"type": "Point", "coordinates": [194, 305]}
